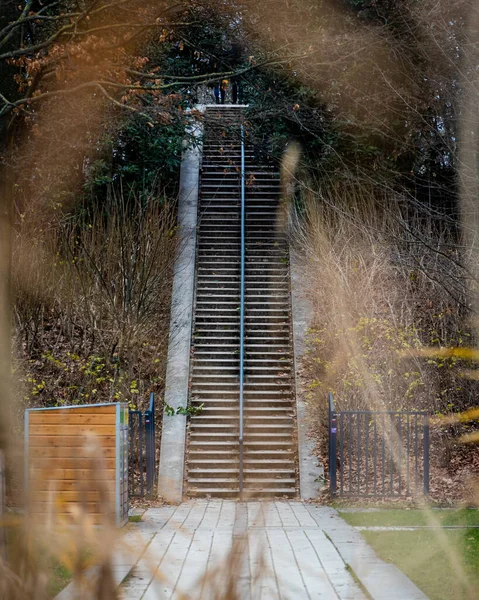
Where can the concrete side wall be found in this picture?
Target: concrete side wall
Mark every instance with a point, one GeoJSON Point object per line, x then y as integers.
{"type": "Point", "coordinates": [310, 472]}
{"type": "Point", "coordinates": [173, 437]}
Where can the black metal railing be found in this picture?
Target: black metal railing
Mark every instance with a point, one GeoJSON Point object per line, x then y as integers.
{"type": "Point", "coordinates": [142, 450]}
{"type": "Point", "coordinates": [378, 453]}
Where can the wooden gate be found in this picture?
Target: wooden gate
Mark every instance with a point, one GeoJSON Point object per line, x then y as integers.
{"type": "Point", "coordinates": [77, 455]}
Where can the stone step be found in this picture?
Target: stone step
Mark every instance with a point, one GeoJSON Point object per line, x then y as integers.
{"type": "Point", "coordinates": [250, 475]}
{"type": "Point", "coordinates": [270, 403]}
{"type": "Point", "coordinates": [251, 465]}
{"type": "Point", "coordinates": [251, 482]}
{"type": "Point", "coordinates": [273, 415]}
{"type": "Point", "coordinates": [234, 178]}
{"type": "Point", "coordinates": [215, 369]}
{"type": "Point", "coordinates": [233, 493]}
{"type": "Point", "coordinates": [228, 288]}
{"type": "Point", "coordinates": [223, 424]}
{"type": "Point", "coordinates": [233, 184]}
{"type": "Point", "coordinates": [208, 166]}
{"type": "Point", "coordinates": [217, 328]}
{"type": "Point", "coordinates": [213, 446]}
{"type": "Point", "coordinates": [256, 457]}
{"type": "Point", "coordinates": [253, 353]}
{"type": "Point", "coordinates": [220, 389]}
{"type": "Point", "coordinates": [263, 439]}
{"type": "Point", "coordinates": [249, 412]}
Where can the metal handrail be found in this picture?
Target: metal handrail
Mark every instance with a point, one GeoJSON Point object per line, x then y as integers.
{"type": "Point", "coordinates": [242, 286]}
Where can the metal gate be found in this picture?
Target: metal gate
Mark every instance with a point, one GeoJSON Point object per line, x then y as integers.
{"type": "Point", "coordinates": [378, 453]}
{"type": "Point", "coordinates": [142, 460]}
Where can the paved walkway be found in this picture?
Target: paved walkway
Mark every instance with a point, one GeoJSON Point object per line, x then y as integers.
{"type": "Point", "coordinates": [212, 549]}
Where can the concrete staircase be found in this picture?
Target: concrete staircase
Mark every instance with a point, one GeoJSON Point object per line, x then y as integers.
{"type": "Point", "coordinates": [270, 462]}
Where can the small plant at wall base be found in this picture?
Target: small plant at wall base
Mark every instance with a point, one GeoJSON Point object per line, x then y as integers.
{"type": "Point", "coordinates": [189, 411]}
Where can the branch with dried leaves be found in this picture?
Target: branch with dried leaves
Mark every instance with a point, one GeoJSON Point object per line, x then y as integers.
{"type": "Point", "coordinates": [102, 85]}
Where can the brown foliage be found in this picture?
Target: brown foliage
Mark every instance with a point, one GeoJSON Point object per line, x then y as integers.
{"type": "Point", "coordinates": [381, 299]}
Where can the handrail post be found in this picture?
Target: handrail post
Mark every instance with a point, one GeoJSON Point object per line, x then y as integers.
{"type": "Point", "coordinates": [426, 454]}
{"type": "Point", "coordinates": [242, 293]}
{"type": "Point", "coordinates": [332, 445]}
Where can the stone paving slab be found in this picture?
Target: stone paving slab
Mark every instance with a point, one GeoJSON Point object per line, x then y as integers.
{"type": "Point", "coordinates": [269, 550]}
{"type": "Point", "coordinates": [283, 550]}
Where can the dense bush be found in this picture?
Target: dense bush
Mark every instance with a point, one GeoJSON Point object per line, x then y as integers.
{"type": "Point", "coordinates": [92, 303]}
